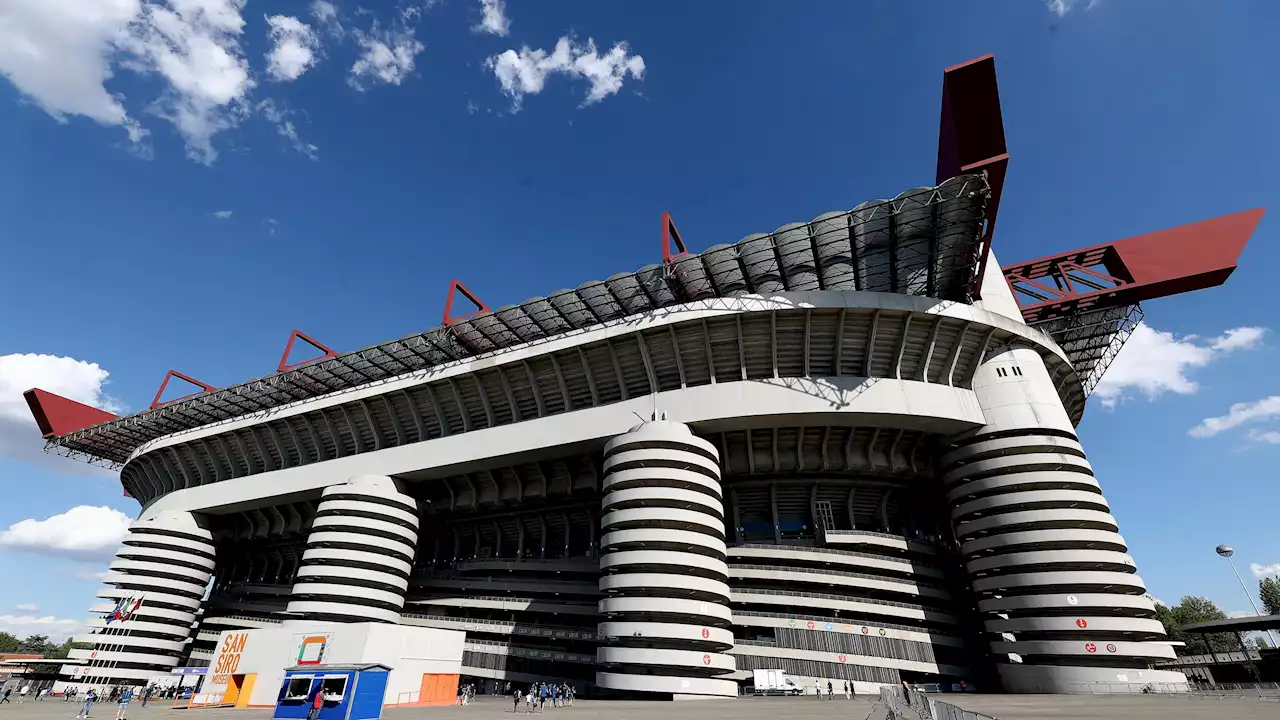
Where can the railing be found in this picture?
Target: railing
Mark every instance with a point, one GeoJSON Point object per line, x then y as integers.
{"type": "Point", "coordinates": [503, 598]}
{"type": "Point", "coordinates": [837, 573]}
{"type": "Point", "coordinates": [535, 653]}
{"type": "Point", "coordinates": [831, 551]}
{"type": "Point", "coordinates": [824, 596]}
{"type": "Point", "coordinates": [555, 631]}
{"type": "Point", "coordinates": [1266, 691]}
{"type": "Point", "coordinates": [846, 621]}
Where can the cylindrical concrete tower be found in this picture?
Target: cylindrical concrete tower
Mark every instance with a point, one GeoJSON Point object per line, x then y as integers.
{"type": "Point", "coordinates": [663, 566]}
{"type": "Point", "coordinates": [359, 554]}
{"type": "Point", "coordinates": [1062, 600]}
{"type": "Point", "coordinates": [155, 586]}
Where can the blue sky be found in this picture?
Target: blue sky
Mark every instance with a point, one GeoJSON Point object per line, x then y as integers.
{"type": "Point", "coordinates": [386, 150]}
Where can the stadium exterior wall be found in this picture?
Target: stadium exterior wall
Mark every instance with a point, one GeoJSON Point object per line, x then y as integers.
{"type": "Point", "coordinates": [823, 556]}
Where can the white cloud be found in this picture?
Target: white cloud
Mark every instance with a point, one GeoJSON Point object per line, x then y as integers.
{"type": "Point", "coordinates": [1241, 338]}
{"type": "Point", "coordinates": [1266, 437]}
{"type": "Point", "coordinates": [93, 573]}
{"type": "Point", "coordinates": [326, 16]}
{"type": "Point", "coordinates": [27, 607]}
{"type": "Point", "coordinates": [1237, 415]}
{"type": "Point", "coordinates": [78, 380]}
{"type": "Point", "coordinates": [57, 629]}
{"type": "Point", "coordinates": [84, 532]}
{"type": "Point", "coordinates": [1062, 7]}
{"type": "Point", "coordinates": [1263, 571]}
{"type": "Point", "coordinates": [61, 53]}
{"type": "Point", "coordinates": [194, 46]}
{"type": "Point", "coordinates": [384, 56]}
{"type": "Point", "coordinates": [286, 129]}
{"type": "Point", "coordinates": [58, 54]}
{"type": "Point", "coordinates": [223, 214]}
{"type": "Point", "coordinates": [526, 72]}
{"type": "Point", "coordinates": [494, 18]}
{"type": "Point", "coordinates": [1153, 362]}
{"type": "Point", "coordinates": [295, 48]}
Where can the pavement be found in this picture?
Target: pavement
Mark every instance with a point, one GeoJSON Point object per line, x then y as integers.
{"type": "Point", "coordinates": [1002, 707]}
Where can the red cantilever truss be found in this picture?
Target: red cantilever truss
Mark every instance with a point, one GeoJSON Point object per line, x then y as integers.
{"type": "Point", "coordinates": [57, 415]}
{"type": "Point", "coordinates": [971, 138]}
{"type": "Point", "coordinates": [1166, 262]}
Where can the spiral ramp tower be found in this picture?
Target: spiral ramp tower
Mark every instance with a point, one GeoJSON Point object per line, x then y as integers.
{"type": "Point", "coordinates": [1062, 603]}
{"type": "Point", "coordinates": [156, 582]}
{"type": "Point", "coordinates": [359, 554]}
{"type": "Point", "coordinates": [663, 563]}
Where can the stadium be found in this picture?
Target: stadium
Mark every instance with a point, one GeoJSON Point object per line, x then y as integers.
{"type": "Point", "coordinates": [845, 449]}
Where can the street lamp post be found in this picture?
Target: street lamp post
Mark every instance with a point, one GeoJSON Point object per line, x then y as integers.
{"type": "Point", "coordinates": [1227, 551]}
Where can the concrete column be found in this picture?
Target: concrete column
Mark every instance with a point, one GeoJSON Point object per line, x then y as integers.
{"type": "Point", "coordinates": [1062, 601]}
{"type": "Point", "coordinates": [157, 581]}
{"type": "Point", "coordinates": [664, 575]}
{"type": "Point", "coordinates": [359, 554]}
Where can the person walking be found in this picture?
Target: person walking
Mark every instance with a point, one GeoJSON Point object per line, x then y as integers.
{"type": "Point", "coordinates": [847, 694]}
{"type": "Point", "coordinates": [89, 697]}
{"type": "Point", "coordinates": [528, 699]}
{"type": "Point", "coordinates": [830, 696]}
{"type": "Point", "coordinates": [515, 700]}
{"type": "Point", "coordinates": [146, 695]}
{"type": "Point", "coordinates": [125, 697]}
{"type": "Point", "coordinates": [5, 697]}
{"type": "Point", "coordinates": [817, 689]}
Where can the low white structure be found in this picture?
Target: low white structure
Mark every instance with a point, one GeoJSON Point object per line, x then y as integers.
{"type": "Point", "coordinates": [248, 666]}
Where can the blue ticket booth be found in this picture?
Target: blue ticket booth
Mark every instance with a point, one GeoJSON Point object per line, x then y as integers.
{"type": "Point", "coordinates": [351, 692]}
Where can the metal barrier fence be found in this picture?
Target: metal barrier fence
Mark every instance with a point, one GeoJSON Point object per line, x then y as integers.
{"type": "Point", "coordinates": [1266, 691]}
{"type": "Point", "coordinates": [911, 704]}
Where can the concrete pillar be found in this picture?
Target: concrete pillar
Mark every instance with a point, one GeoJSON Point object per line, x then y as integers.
{"type": "Point", "coordinates": [664, 575]}
{"type": "Point", "coordinates": [1062, 602]}
{"type": "Point", "coordinates": [157, 582]}
{"type": "Point", "coordinates": [359, 554]}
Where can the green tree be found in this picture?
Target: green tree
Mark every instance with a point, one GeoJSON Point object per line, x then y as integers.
{"type": "Point", "coordinates": [1269, 593]}
{"type": "Point", "coordinates": [8, 643]}
{"type": "Point", "coordinates": [36, 644]}
{"type": "Point", "coordinates": [1194, 609]}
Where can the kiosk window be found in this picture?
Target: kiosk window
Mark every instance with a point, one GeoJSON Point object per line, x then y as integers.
{"type": "Point", "coordinates": [299, 688]}
{"type": "Point", "coordinates": [334, 687]}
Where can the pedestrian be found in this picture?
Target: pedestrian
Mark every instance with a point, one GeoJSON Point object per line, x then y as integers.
{"type": "Point", "coordinates": [847, 694]}
{"type": "Point", "coordinates": [830, 696]}
{"type": "Point", "coordinates": [528, 700]}
{"type": "Point", "coordinates": [515, 700]}
{"type": "Point", "coordinates": [317, 703]}
{"type": "Point", "coordinates": [5, 698]}
{"type": "Point", "coordinates": [817, 689]}
{"type": "Point", "coordinates": [89, 697]}
{"type": "Point", "coordinates": [146, 695]}
{"type": "Point", "coordinates": [125, 696]}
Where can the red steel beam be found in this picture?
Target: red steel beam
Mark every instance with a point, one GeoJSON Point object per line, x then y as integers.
{"type": "Point", "coordinates": [1158, 264]}
{"type": "Point", "coordinates": [204, 388]}
{"type": "Point", "coordinates": [57, 416]}
{"type": "Point", "coordinates": [971, 138]}
{"type": "Point", "coordinates": [670, 235]}
{"type": "Point", "coordinates": [288, 348]}
{"type": "Point", "coordinates": [454, 288]}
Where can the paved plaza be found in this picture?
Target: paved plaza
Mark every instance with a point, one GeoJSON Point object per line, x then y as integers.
{"type": "Point", "coordinates": [1002, 707]}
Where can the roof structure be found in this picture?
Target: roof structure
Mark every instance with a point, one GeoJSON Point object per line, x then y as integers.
{"type": "Point", "coordinates": [924, 242]}
{"type": "Point", "coordinates": [930, 241]}
{"type": "Point", "coordinates": [1241, 624]}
